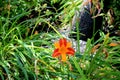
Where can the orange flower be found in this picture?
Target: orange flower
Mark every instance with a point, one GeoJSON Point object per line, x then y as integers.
{"type": "Point", "coordinates": [63, 48]}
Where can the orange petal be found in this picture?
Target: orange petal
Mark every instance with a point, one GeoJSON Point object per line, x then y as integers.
{"type": "Point", "coordinates": [56, 44]}
{"type": "Point", "coordinates": [56, 53]}
{"type": "Point", "coordinates": [63, 41]}
{"type": "Point", "coordinates": [71, 53]}
{"type": "Point", "coordinates": [63, 55]}
{"type": "Point", "coordinates": [71, 50]}
{"type": "Point", "coordinates": [60, 42]}
{"type": "Point", "coordinates": [69, 44]}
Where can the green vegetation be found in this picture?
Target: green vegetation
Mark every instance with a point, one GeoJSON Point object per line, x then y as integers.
{"type": "Point", "coordinates": [28, 29]}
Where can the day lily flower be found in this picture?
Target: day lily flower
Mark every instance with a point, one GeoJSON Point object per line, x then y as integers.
{"type": "Point", "coordinates": [63, 48]}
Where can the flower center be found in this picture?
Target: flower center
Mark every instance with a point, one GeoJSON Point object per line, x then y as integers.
{"type": "Point", "coordinates": [63, 49]}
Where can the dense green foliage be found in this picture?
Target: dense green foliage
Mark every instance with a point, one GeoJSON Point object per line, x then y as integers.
{"type": "Point", "coordinates": [28, 29]}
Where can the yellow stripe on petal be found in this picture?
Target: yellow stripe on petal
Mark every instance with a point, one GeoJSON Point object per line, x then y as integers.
{"type": "Point", "coordinates": [63, 55]}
